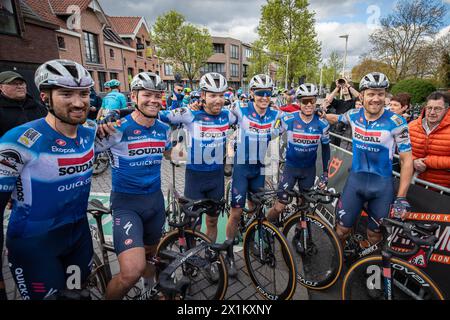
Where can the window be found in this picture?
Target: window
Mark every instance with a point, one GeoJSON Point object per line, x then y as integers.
{"type": "Point", "coordinates": [113, 75]}
{"type": "Point", "coordinates": [219, 48]}
{"type": "Point", "coordinates": [102, 80]}
{"type": "Point", "coordinates": [214, 67]}
{"type": "Point", "coordinates": [245, 71]}
{"type": "Point", "coordinates": [234, 70]}
{"type": "Point", "coordinates": [111, 53]}
{"type": "Point", "coordinates": [139, 47]}
{"type": "Point", "coordinates": [61, 42]}
{"type": "Point", "coordinates": [234, 52]}
{"type": "Point", "coordinates": [8, 17]}
{"type": "Point", "coordinates": [141, 70]}
{"type": "Point", "coordinates": [130, 75]}
{"type": "Point", "coordinates": [91, 45]}
{"type": "Point", "coordinates": [168, 69]}
{"type": "Point", "coordinates": [248, 53]}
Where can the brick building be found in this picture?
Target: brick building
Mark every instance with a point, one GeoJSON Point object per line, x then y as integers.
{"type": "Point", "coordinates": [26, 40]}
{"type": "Point", "coordinates": [86, 34]}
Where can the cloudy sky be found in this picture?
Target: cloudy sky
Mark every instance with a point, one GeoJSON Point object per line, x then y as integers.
{"type": "Point", "coordinates": [239, 18]}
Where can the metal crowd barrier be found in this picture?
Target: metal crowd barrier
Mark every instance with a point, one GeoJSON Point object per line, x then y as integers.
{"type": "Point", "coordinates": [425, 184]}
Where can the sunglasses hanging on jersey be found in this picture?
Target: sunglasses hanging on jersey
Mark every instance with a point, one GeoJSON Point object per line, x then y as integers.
{"type": "Point", "coordinates": [263, 93]}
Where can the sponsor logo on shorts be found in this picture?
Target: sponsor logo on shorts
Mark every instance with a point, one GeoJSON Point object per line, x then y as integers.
{"type": "Point", "coordinates": [128, 242]}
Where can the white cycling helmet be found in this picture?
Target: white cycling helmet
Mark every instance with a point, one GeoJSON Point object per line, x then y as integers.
{"type": "Point", "coordinates": [62, 73]}
{"type": "Point", "coordinates": [307, 90]}
{"type": "Point", "coordinates": [147, 81]}
{"type": "Point", "coordinates": [374, 80]}
{"type": "Point", "coordinates": [261, 81]}
{"type": "Point", "coordinates": [213, 82]}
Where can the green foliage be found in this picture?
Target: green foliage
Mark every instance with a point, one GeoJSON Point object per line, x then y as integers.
{"type": "Point", "coordinates": [259, 60]}
{"type": "Point", "coordinates": [419, 89]}
{"type": "Point", "coordinates": [287, 28]}
{"type": "Point", "coordinates": [184, 45]}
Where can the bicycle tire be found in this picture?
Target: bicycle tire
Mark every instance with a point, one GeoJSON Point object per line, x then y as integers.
{"type": "Point", "coordinates": [273, 264]}
{"type": "Point", "coordinates": [97, 280]}
{"type": "Point", "coordinates": [101, 164]}
{"type": "Point", "coordinates": [326, 251]}
{"type": "Point", "coordinates": [199, 289]}
{"type": "Point", "coordinates": [355, 285]}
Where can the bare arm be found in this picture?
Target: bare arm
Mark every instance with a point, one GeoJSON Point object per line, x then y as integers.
{"type": "Point", "coordinates": [332, 118]}
{"type": "Point", "coordinates": [406, 173]}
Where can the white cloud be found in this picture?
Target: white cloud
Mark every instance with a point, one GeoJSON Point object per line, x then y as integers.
{"type": "Point", "coordinates": [358, 40]}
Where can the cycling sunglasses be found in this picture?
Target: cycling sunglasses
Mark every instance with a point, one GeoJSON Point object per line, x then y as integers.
{"type": "Point", "coordinates": [305, 101]}
{"type": "Point", "coordinates": [263, 93]}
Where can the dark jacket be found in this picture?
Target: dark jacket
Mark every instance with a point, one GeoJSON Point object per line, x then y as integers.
{"type": "Point", "coordinates": [14, 113]}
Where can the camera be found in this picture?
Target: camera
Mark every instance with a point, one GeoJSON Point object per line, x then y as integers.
{"type": "Point", "coordinates": [341, 81]}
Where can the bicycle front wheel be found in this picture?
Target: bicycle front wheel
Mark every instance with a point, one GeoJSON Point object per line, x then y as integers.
{"type": "Point", "coordinates": [364, 281]}
{"type": "Point", "coordinates": [317, 252]}
{"type": "Point", "coordinates": [269, 261]}
{"type": "Point", "coordinates": [208, 278]}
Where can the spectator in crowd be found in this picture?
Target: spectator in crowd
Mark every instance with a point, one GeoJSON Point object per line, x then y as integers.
{"type": "Point", "coordinates": [290, 106]}
{"type": "Point", "coordinates": [400, 104]}
{"type": "Point", "coordinates": [430, 139]}
{"type": "Point", "coordinates": [387, 99]}
{"type": "Point", "coordinates": [16, 106]}
{"type": "Point", "coordinates": [96, 104]}
{"type": "Point", "coordinates": [176, 100]}
{"type": "Point", "coordinates": [340, 106]}
{"type": "Point", "coordinates": [114, 100]}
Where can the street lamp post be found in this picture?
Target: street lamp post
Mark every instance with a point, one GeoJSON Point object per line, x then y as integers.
{"type": "Point", "coordinates": [287, 68]}
{"type": "Point", "coordinates": [345, 54]}
{"type": "Point", "coordinates": [320, 81]}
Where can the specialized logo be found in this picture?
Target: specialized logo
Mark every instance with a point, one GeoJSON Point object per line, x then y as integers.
{"type": "Point", "coordinates": [69, 166]}
{"type": "Point", "coordinates": [29, 137]}
{"type": "Point", "coordinates": [148, 147]}
{"type": "Point", "coordinates": [334, 166]}
{"type": "Point", "coordinates": [367, 136]}
{"type": "Point", "coordinates": [127, 227]}
{"type": "Point", "coordinates": [11, 158]}
{"type": "Point", "coordinates": [61, 142]}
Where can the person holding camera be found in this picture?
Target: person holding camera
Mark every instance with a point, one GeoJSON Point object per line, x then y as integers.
{"type": "Point", "coordinates": [340, 106]}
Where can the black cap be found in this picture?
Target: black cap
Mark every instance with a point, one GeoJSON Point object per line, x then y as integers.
{"type": "Point", "coordinates": [9, 76]}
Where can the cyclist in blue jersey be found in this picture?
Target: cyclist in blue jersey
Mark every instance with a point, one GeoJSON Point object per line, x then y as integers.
{"type": "Point", "coordinates": [137, 149]}
{"type": "Point", "coordinates": [47, 165]}
{"type": "Point", "coordinates": [257, 124]}
{"type": "Point", "coordinates": [114, 100]}
{"type": "Point", "coordinates": [207, 130]}
{"type": "Point", "coordinates": [375, 132]}
{"type": "Point", "coordinates": [305, 131]}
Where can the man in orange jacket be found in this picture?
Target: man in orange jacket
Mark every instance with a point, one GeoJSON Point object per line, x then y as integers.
{"type": "Point", "coordinates": [430, 139]}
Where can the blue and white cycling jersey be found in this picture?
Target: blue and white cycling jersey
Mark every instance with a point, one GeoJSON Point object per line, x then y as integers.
{"type": "Point", "coordinates": [374, 141]}
{"type": "Point", "coordinates": [254, 133]}
{"type": "Point", "coordinates": [136, 153]}
{"type": "Point", "coordinates": [207, 136]}
{"type": "Point", "coordinates": [49, 174]}
{"type": "Point", "coordinates": [114, 101]}
{"type": "Point", "coordinates": [303, 139]}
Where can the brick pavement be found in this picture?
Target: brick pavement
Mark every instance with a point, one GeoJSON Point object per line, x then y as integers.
{"type": "Point", "coordinates": [240, 288]}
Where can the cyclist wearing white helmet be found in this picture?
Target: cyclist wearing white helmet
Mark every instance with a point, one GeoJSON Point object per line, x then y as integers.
{"type": "Point", "coordinates": [257, 124]}
{"type": "Point", "coordinates": [206, 128]}
{"type": "Point", "coordinates": [46, 160]}
{"type": "Point", "coordinates": [305, 131]}
{"type": "Point", "coordinates": [375, 132]}
{"type": "Point", "coordinates": [137, 202]}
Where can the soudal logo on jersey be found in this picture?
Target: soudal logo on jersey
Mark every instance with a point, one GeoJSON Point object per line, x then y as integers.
{"type": "Point", "coordinates": [367, 136]}
{"type": "Point", "coordinates": [60, 142]}
{"type": "Point", "coordinates": [305, 138]}
{"type": "Point", "coordinates": [259, 128]}
{"type": "Point", "coordinates": [213, 132]}
{"type": "Point", "coordinates": [148, 147]}
{"type": "Point", "coordinates": [76, 165]}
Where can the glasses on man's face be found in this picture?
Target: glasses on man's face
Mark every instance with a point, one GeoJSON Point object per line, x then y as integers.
{"type": "Point", "coordinates": [263, 93]}
{"type": "Point", "coordinates": [306, 101]}
{"type": "Point", "coordinates": [17, 84]}
{"type": "Point", "coordinates": [436, 109]}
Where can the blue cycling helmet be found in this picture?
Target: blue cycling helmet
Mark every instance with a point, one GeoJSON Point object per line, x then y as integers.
{"type": "Point", "coordinates": [195, 94]}
{"type": "Point", "coordinates": [112, 83]}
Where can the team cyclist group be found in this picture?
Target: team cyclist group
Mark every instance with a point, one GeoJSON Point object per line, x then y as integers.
{"type": "Point", "coordinates": [46, 167]}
